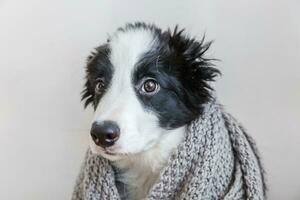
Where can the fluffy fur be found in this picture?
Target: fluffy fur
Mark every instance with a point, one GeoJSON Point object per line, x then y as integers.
{"type": "Point", "coordinates": [152, 125]}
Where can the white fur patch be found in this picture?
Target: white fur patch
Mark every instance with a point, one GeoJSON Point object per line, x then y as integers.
{"type": "Point", "coordinates": [142, 170]}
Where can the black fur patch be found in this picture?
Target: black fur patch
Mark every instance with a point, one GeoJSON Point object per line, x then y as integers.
{"type": "Point", "coordinates": [98, 66]}
{"type": "Point", "coordinates": [177, 62]}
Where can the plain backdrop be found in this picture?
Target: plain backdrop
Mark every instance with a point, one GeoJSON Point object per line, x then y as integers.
{"type": "Point", "coordinates": [43, 48]}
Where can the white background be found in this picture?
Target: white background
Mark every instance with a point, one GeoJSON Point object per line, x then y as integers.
{"type": "Point", "coordinates": [43, 47]}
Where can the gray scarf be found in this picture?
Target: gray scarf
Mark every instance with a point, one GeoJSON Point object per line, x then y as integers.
{"type": "Point", "coordinates": [216, 160]}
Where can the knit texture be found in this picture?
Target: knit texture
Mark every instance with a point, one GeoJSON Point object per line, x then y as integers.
{"type": "Point", "coordinates": [216, 160]}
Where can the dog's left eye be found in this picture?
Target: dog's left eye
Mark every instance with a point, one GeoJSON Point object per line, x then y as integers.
{"type": "Point", "coordinates": [99, 85]}
{"type": "Point", "coordinates": [150, 87]}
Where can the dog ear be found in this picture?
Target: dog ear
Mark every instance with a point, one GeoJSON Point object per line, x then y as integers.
{"type": "Point", "coordinates": [94, 62]}
{"type": "Point", "coordinates": [196, 70]}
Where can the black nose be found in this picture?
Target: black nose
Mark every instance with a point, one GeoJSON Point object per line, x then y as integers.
{"type": "Point", "coordinates": [105, 133]}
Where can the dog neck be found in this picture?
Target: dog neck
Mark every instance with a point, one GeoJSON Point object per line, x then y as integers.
{"type": "Point", "coordinates": [139, 172]}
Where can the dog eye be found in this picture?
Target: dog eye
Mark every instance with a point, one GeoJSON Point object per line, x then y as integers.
{"type": "Point", "coordinates": [100, 83]}
{"type": "Point", "coordinates": [150, 86]}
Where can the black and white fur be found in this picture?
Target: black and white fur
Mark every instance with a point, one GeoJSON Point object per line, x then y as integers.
{"type": "Point", "coordinates": [151, 124]}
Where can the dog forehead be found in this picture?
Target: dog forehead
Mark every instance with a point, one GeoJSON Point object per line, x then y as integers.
{"type": "Point", "coordinates": [126, 50]}
{"type": "Point", "coordinates": [128, 46]}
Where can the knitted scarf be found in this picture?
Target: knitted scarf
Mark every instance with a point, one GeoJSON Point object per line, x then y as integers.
{"type": "Point", "coordinates": [216, 160]}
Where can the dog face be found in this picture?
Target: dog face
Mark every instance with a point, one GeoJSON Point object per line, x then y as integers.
{"type": "Point", "coordinates": [144, 84]}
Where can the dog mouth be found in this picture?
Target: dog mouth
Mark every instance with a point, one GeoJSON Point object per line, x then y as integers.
{"type": "Point", "coordinates": [112, 152]}
{"type": "Point", "coordinates": [118, 154]}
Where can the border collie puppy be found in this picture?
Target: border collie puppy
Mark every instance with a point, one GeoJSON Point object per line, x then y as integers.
{"type": "Point", "coordinates": [145, 85]}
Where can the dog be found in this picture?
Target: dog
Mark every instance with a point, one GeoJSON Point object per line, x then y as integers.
{"type": "Point", "coordinates": [145, 85]}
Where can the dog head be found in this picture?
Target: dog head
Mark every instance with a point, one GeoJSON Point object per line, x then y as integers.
{"type": "Point", "coordinates": [145, 83]}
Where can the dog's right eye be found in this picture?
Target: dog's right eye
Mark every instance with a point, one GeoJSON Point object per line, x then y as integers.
{"type": "Point", "coordinates": [100, 83]}
{"type": "Point", "coordinates": [150, 87]}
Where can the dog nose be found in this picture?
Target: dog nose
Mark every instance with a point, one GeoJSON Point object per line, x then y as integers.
{"type": "Point", "coordinates": [105, 133]}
